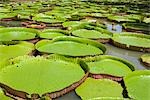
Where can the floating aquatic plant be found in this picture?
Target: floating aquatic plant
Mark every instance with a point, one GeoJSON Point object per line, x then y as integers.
{"type": "Point", "coordinates": [106, 66]}
{"type": "Point", "coordinates": [146, 59]}
{"type": "Point", "coordinates": [17, 33]}
{"type": "Point", "coordinates": [139, 42]}
{"type": "Point", "coordinates": [73, 46]}
{"type": "Point", "coordinates": [37, 76]}
{"type": "Point", "coordinates": [138, 84]}
{"type": "Point", "coordinates": [100, 89]}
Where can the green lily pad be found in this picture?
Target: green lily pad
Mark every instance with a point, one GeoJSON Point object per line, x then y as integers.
{"type": "Point", "coordinates": [91, 34]}
{"type": "Point", "coordinates": [73, 23]}
{"type": "Point", "coordinates": [14, 50]}
{"type": "Point", "coordinates": [146, 20]}
{"type": "Point", "coordinates": [138, 84]}
{"type": "Point", "coordinates": [99, 88]}
{"type": "Point", "coordinates": [17, 33]}
{"type": "Point", "coordinates": [120, 18]}
{"type": "Point", "coordinates": [48, 19]}
{"type": "Point", "coordinates": [140, 41]}
{"type": "Point", "coordinates": [52, 33]}
{"type": "Point", "coordinates": [7, 15]}
{"type": "Point", "coordinates": [109, 65]}
{"type": "Point", "coordinates": [137, 26]}
{"type": "Point", "coordinates": [73, 46]}
{"type": "Point", "coordinates": [146, 59]}
{"type": "Point", "coordinates": [39, 75]}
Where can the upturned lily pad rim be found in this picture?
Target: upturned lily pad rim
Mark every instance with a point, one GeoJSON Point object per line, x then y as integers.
{"type": "Point", "coordinates": [54, 94]}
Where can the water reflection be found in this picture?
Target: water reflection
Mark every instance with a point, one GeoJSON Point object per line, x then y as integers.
{"type": "Point", "coordinates": [115, 28]}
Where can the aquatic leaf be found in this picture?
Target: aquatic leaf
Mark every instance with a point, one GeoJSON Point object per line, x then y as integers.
{"type": "Point", "coordinates": [17, 33]}
{"type": "Point", "coordinates": [138, 42]}
{"type": "Point", "coordinates": [73, 46]}
{"type": "Point", "coordinates": [39, 75]}
{"type": "Point", "coordinates": [99, 88]}
{"type": "Point", "coordinates": [145, 58]}
{"type": "Point", "coordinates": [138, 84]}
{"type": "Point", "coordinates": [91, 34]}
{"type": "Point", "coordinates": [52, 33]}
{"type": "Point", "coordinates": [120, 18]}
{"type": "Point", "coordinates": [137, 26]}
{"type": "Point", "coordinates": [8, 50]}
{"type": "Point", "coordinates": [109, 65]}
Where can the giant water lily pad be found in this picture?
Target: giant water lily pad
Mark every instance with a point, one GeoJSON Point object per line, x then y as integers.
{"type": "Point", "coordinates": [48, 19]}
{"type": "Point", "coordinates": [120, 18]}
{"type": "Point", "coordinates": [17, 33]}
{"type": "Point", "coordinates": [137, 26]}
{"type": "Point", "coordinates": [41, 76]}
{"type": "Point", "coordinates": [108, 65]}
{"type": "Point", "coordinates": [103, 89]}
{"type": "Point", "coordinates": [138, 85]}
{"type": "Point", "coordinates": [72, 23]}
{"type": "Point", "coordinates": [146, 59]}
{"type": "Point", "coordinates": [71, 46]}
{"type": "Point", "coordinates": [91, 34]}
{"type": "Point", "coordinates": [7, 15]}
{"type": "Point", "coordinates": [52, 33]}
{"type": "Point", "coordinates": [13, 49]}
{"type": "Point", "coordinates": [139, 42]}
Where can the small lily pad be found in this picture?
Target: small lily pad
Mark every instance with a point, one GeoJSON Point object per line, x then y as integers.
{"type": "Point", "coordinates": [99, 88]}
{"type": "Point", "coordinates": [138, 84]}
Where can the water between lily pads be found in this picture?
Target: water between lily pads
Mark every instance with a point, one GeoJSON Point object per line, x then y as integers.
{"type": "Point", "coordinates": [132, 56]}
